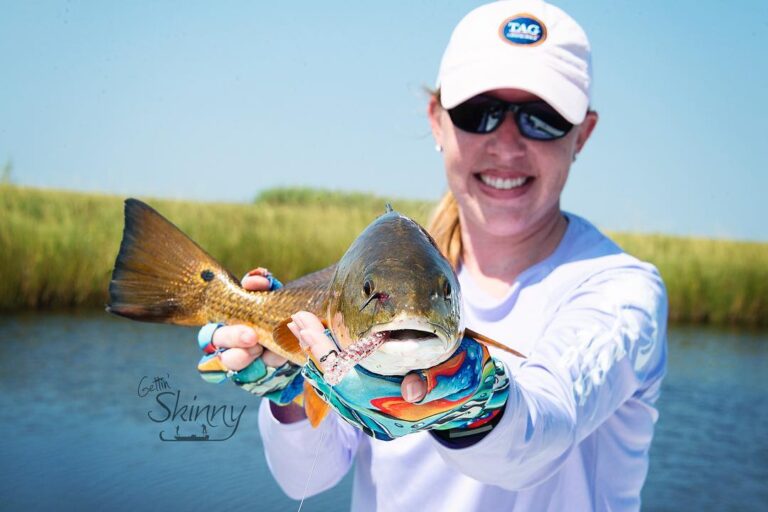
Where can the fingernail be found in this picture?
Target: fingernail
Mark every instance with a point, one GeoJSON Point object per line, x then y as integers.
{"type": "Point", "coordinates": [244, 339]}
{"type": "Point", "coordinates": [411, 392]}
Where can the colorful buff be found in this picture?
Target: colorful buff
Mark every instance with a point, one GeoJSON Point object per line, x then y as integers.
{"type": "Point", "coordinates": [464, 392]}
{"type": "Point", "coordinates": [281, 385]}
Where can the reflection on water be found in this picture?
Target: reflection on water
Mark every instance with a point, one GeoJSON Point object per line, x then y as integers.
{"type": "Point", "coordinates": [76, 435]}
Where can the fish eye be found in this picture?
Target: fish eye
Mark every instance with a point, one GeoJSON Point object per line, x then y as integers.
{"type": "Point", "coordinates": [368, 287]}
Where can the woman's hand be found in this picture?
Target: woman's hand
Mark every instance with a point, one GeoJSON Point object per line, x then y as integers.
{"type": "Point", "coordinates": [241, 340]}
{"type": "Point", "coordinates": [468, 391]}
{"type": "Point", "coordinates": [234, 352]}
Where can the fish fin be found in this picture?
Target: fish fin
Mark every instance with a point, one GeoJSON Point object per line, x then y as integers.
{"type": "Point", "coordinates": [160, 274]}
{"type": "Point", "coordinates": [284, 338]}
{"type": "Point", "coordinates": [314, 406]}
{"type": "Point", "coordinates": [485, 340]}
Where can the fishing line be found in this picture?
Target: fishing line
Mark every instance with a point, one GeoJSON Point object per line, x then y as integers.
{"type": "Point", "coordinates": [311, 471]}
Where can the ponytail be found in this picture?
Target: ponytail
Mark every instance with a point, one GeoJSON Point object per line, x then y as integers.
{"type": "Point", "coordinates": [444, 225]}
{"type": "Point", "coordinates": [445, 229]}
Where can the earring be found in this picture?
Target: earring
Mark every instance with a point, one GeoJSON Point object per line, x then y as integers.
{"type": "Point", "coordinates": [438, 148]}
{"type": "Point", "coordinates": [574, 156]}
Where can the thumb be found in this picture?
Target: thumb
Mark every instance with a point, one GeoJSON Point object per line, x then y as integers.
{"type": "Point", "coordinates": [413, 388]}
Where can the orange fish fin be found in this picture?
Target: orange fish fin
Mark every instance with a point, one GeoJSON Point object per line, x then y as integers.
{"type": "Point", "coordinates": [284, 338]}
{"type": "Point", "coordinates": [314, 406]}
{"type": "Point", "coordinates": [485, 340]}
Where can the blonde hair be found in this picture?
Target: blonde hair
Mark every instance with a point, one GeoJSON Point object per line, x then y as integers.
{"type": "Point", "coordinates": [444, 225]}
{"type": "Point", "coordinates": [446, 229]}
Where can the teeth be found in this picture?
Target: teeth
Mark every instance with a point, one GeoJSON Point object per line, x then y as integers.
{"type": "Point", "coordinates": [502, 183]}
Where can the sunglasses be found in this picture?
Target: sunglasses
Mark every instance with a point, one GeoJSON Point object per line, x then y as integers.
{"type": "Point", "coordinates": [535, 119]}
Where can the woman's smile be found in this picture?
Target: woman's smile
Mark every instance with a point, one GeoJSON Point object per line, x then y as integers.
{"type": "Point", "coordinates": [503, 185]}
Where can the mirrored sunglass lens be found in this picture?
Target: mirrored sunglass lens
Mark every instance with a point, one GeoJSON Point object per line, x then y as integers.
{"type": "Point", "coordinates": [541, 122]}
{"type": "Point", "coordinates": [477, 115]}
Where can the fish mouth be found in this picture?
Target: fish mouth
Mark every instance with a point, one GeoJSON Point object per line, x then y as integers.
{"type": "Point", "coordinates": [409, 344]}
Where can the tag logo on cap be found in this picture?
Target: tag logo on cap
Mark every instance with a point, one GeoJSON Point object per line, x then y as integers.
{"type": "Point", "coordinates": [523, 29]}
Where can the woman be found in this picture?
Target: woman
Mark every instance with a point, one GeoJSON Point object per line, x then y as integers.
{"type": "Point", "coordinates": [576, 418]}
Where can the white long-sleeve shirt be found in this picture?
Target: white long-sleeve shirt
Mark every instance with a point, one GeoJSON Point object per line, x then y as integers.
{"type": "Point", "coordinates": [579, 421]}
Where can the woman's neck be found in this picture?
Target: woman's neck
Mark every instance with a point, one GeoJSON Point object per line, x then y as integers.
{"type": "Point", "coordinates": [494, 262]}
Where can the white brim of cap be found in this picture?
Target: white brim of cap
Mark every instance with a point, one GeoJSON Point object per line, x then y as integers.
{"type": "Point", "coordinates": [533, 76]}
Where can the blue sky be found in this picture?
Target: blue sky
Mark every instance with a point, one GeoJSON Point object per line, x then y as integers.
{"type": "Point", "coordinates": [218, 100]}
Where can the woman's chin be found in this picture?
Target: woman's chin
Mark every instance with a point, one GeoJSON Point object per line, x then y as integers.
{"type": "Point", "coordinates": [501, 221]}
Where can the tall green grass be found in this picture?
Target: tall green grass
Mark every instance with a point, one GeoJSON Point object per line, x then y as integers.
{"type": "Point", "coordinates": [708, 281]}
{"type": "Point", "coordinates": [57, 248]}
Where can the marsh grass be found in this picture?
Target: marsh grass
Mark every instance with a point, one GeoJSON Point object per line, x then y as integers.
{"type": "Point", "coordinates": [708, 281]}
{"type": "Point", "coordinates": [57, 248]}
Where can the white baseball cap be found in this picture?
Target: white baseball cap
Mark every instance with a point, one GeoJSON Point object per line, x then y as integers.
{"type": "Point", "coordinates": [519, 44]}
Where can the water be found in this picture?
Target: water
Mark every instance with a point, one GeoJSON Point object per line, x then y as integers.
{"type": "Point", "coordinates": [76, 435]}
{"type": "Point", "coordinates": [711, 446]}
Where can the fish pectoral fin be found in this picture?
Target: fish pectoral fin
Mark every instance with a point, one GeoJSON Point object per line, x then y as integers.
{"type": "Point", "coordinates": [314, 406]}
{"type": "Point", "coordinates": [485, 340]}
{"type": "Point", "coordinates": [284, 338]}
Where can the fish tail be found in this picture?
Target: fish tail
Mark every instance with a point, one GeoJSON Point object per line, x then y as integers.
{"type": "Point", "coordinates": [160, 274]}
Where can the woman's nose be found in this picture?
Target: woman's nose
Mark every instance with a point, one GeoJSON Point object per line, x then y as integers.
{"type": "Point", "coordinates": [506, 140]}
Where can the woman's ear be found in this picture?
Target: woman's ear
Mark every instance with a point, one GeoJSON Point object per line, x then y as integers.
{"type": "Point", "coordinates": [585, 129]}
{"type": "Point", "coordinates": [434, 109]}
